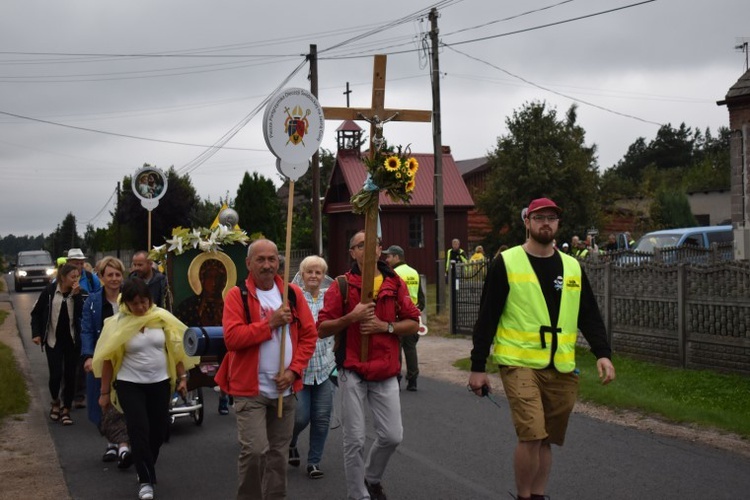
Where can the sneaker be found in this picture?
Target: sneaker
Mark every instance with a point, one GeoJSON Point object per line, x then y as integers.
{"type": "Point", "coordinates": [411, 385]}
{"type": "Point", "coordinates": [224, 405]}
{"type": "Point", "coordinates": [314, 472]}
{"type": "Point", "coordinates": [125, 460]}
{"type": "Point", "coordinates": [294, 460]}
{"type": "Point", "coordinates": [146, 491]}
{"type": "Point", "coordinates": [110, 455]}
{"type": "Point", "coordinates": [376, 491]}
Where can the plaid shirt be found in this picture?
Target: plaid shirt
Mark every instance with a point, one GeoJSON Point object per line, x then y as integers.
{"type": "Point", "coordinates": [323, 361]}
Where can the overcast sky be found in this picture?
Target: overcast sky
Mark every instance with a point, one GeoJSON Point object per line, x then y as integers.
{"type": "Point", "coordinates": [178, 75]}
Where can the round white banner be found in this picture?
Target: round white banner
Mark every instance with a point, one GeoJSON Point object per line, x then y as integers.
{"type": "Point", "coordinates": [293, 126]}
{"type": "Point", "coordinates": [149, 185]}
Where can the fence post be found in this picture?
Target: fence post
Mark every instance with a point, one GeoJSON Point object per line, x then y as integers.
{"type": "Point", "coordinates": [453, 299]}
{"type": "Point", "coordinates": [608, 302]}
{"type": "Point", "coordinates": [681, 307]}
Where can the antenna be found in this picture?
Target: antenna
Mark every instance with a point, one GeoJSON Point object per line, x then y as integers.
{"type": "Point", "coordinates": [742, 46]}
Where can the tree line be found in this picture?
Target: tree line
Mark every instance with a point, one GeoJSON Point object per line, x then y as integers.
{"type": "Point", "coordinates": [546, 155]}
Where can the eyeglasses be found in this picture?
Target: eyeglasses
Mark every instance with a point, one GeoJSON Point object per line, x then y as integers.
{"type": "Point", "coordinates": [358, 246]}
{"type": "Point", "coordinates": [542, 218]}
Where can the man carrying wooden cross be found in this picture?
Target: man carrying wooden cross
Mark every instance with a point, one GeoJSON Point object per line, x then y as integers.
{"type": "Point", "coordinates": [391, 314]}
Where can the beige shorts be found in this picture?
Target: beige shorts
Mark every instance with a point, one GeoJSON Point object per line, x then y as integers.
{"type": "Point", "coordinates": [540, 402]}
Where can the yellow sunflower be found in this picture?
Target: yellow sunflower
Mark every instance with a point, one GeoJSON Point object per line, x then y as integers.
{"type": "Point", "coordinates": [392, 163]}
{"type": "Point", "coordinates": [413, 165]}
{"type": "Point", "coordinates": [398, 175]}
{"type": "Point", "coordinates": [410, 185]}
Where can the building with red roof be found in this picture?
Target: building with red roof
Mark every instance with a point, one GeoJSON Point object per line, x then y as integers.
{"type": "Point", "coordinates": [410, 226]}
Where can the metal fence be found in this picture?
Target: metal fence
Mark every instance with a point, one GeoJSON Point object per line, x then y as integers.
{"type": "Point", "coordinates": [466, 282]}
{"type": "Point", "coordinates": [687, 315]}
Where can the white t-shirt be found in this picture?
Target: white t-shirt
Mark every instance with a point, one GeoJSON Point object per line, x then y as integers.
{"type": "Point", "coordinates": [145, 361]}
{"type": "Point", "coordinates": [270, 351]}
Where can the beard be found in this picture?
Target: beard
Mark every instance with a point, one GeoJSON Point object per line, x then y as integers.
{"type": "Point", "coordinates": [544, 235]}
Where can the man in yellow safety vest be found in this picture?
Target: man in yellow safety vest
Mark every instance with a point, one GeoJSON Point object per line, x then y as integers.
{"type": "Point", "coordinates": [535, 299]}
{"type": "Point", "coordinates": [394, 257]}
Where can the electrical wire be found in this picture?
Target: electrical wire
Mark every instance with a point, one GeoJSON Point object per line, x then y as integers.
{"type": "Point", "coordinates": [127, 136]}
{"type": "Point", "coordinates": [547, 89]}
{"type": "Point", "coordinates": [199, 160]}
{"type": "Point", "coordinates": [106, 204]}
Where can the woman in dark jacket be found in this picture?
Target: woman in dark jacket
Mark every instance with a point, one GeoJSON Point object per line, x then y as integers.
{"type": "Point", "coordinates": [56, 326]}
{"type": "Point", "coordinates": [99, 306]}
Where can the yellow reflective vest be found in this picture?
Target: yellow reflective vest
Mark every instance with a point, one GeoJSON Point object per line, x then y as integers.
{"type": "Point", "coordinates": [411, 278]}
{"type": "Point", "coordinates": [524, 335]}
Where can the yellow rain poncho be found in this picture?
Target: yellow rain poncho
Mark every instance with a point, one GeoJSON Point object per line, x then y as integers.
{"type": "Point", "coordinates": [121, 327]}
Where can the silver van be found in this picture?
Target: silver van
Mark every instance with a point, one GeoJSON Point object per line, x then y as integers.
{"type": "Point", "coordinates": [688, 244]}
{"type": "Point", "coordinates": [700, 237]}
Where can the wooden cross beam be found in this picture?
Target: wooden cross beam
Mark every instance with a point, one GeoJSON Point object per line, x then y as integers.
{"type": "Point", "coordinates": [376, 116]}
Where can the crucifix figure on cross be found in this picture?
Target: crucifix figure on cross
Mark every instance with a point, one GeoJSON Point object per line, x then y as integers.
{"type": "Point", "coordinates": [401, 190]}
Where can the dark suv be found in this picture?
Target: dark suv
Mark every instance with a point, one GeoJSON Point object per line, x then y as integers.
{"type": "Point", "coordinates": [33, 268]}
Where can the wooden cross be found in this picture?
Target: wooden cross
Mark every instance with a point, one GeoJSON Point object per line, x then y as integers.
{"type": "Point", "coordinates": [376, 116]}
{"type": "Point", "coordinates": [346, 93]}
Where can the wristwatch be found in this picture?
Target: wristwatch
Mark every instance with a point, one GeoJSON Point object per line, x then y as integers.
{"type": "Point", "coordinates": [391, 329]}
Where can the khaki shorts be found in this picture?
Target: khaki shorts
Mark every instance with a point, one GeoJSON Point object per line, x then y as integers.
{"type": "Point", "coordinates": [540, 402]}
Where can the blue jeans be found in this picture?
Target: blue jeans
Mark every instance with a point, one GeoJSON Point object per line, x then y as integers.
{"type": "Point", "coordinates": [314, 406]}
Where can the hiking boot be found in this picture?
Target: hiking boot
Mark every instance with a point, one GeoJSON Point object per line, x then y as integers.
{"type": "Point", "coordinates": [314, 472]}
{"type": "Point", "coordinates": [294, 460]}
{"type": "Point", "coordinates": [411, 385]}
{"type": "Point", "coordinates": [376, 491]}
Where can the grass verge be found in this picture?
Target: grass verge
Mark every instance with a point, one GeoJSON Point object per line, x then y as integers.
{"type": "Point", "coordinates": [14, 399]}
{"type": "Point", "coordinates": [699, 397]}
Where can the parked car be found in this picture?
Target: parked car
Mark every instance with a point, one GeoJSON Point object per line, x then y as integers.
{"type": "Point", "coordinates": [675, 245]}
{"type": "Point", "coordinates": [700, 237]}
{"type": "Point", "coordinates": [33, 268]}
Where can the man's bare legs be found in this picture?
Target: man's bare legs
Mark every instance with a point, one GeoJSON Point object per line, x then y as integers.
{"type": "Point", "coordinates": [531, 462]}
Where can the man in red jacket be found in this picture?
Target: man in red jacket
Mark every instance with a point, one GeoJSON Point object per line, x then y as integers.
{"type": "Point", "coordinates": [393, 314]}
{"type": "Point", "coordinates": [253, 332]}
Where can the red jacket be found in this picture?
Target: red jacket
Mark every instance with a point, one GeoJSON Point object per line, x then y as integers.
{"type": "Point", "coordinates": [392, 304]}
{"type": "Point", "coordinates": [238, 374]}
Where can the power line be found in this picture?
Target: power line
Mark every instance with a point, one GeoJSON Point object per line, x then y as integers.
{"type": "Point", "coordinates": [383, 50]}
{"type": "Point", "coordinates": [556, 23]}
{"type": "Point", "coordinates": [127, 136]}
{"type": "Point", "coordinates": [106, 204]}
{"type": "Point", "coordinates": [199, 160]}
{"type": "Point", "coordinates": [550, 90]}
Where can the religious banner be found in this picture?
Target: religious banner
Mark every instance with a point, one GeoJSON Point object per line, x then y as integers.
{"type": "Point", "coordinates": [293, 127]}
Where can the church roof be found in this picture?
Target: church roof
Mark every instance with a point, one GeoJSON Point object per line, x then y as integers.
{"type": "Point", "coordinates": [349, 126]}
{"type": "Point", "coordinates": [353, 171]}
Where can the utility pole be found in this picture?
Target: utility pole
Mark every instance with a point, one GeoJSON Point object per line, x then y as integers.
{"type": "Point", "coordinates": [317, 218]}
{"type": "Point", "coordinates": [437, 144]}
{"type": "Point", "coordinates": [117, 220]}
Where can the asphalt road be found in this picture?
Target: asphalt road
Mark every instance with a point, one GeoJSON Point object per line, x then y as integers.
{"type": "Point", "coordinates": [456, 446]}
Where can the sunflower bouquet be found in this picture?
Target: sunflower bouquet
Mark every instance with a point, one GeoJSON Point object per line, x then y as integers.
{"type": "Point", "coordinates": [390, 169]}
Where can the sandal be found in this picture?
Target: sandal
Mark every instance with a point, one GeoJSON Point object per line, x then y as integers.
{"type": "Point", "coordinates": [54, 412]}
{"type": "Point", "coordinates": [65, 418]}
